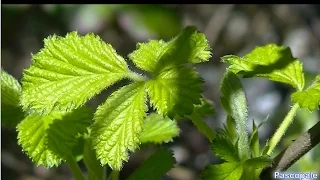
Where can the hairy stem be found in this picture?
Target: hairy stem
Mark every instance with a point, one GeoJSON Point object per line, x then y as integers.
{"type": "Point", "coordinates": [74, 167]}
{"type": "Point", "coordinates": [294, 152]}
{"type": "Point", "coordinates": [202, 126]}
{"type": "Point", "coordinates": [282, 128]}
{"type": "Point", "coordinates": [136, 77]}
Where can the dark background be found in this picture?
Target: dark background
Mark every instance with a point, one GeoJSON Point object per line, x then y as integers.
{"type": "Point", "coordinates": [230, 29]}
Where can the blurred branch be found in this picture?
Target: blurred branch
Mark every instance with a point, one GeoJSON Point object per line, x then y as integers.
{"type": "Point", "coordinates": [217, 22]}
{"type": "Point", "coordinates": [294, 152]}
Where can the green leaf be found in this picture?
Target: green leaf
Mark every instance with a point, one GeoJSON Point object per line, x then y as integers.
{"type": "Point", "coordinates": [10, 89]}
{"type": "Point", "coordinates": [61, 138]}
{"type": "Point", "coordinates": [48, 139]}
{"type": "Point", "coordinates": [224, 149]}
{"type": "Point", "coordinates": [254, 141]}
{"type": "Point", "coordinates": [205, 108]}
{"type": "Point", "coordinates": [174, 92]}
{"type": "Point", "coordinates": [233, 99]}
{"type": "Point", "coordinates": [11, 113]}
{"type": "Point", "coordinates": [159, 129]}
{"type": "Point", "coordinates": [271, 61]}
{"type": "Point", "coordinates": [148, 54]}
{"type": "Point", "coordinates": [159, 163]}
{"type": "Point", "coordinates": [225, 171]}
{"type": "Point", "coordinates": [258, 162]}
{"type": "Point", "coordinates": [68, 71]}
{"type": "Point", "coordinates": [231, 129]}
{"type": "Point", "coordinates": [157, 56]}
{"type": "Point", "coordinates": [309, 98]}
{"type": "Point", "coordinates": [118, 125]}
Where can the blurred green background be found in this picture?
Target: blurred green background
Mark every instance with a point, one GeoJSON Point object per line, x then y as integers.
{"type": "Point", "coordinates": [230, 29]}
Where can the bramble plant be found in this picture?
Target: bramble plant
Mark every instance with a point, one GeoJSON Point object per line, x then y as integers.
{"type": "Point", "coordinates": [54, 124]}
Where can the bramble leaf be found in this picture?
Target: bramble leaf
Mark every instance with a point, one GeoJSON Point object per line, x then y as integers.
{"type": "Point", "coordinates": [174, 92]}
{"type": "Point", "coordinates": [254, 141]}
{"type": "Point", "coordinates": [271, 61]}
{"type": "Point", "coordinates": [49, 139]}
{"type": "Point", "coordinates": [160, 162]}
{"type": "Point", "coordinates": [10, 89]}
{"type": "Point", "coordinates": [68, 71]}
{"type": "Point", "coordinates": [233, 99]}
{"type": "Point", "coordinates": [159, 129]}
{"type": "Point", "coordinates": [257, 162]}
{"type": "Point", "coordinates": [189, 46]}
{"type": "Point", "coordinates": [309, 98]}
{"type": "Point", "coordinates": [224, 149]}
{"type": "Point", "coordinates": [118, 125]}
{"type": "Point", "coordinates": [11, 113]}
{"type": "Point", "coordinates": [205, 108]}
{"type": "Point", "coordinates": [225, 171]}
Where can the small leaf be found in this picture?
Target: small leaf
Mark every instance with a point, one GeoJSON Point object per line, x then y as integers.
{"type": "Point", "coordinates": [271, 61]}
{"type": "Point", "coordinates": [225, 171]}
{"type": "Point", "coordinates": [69, 71]}
{"type": "Point", "coordinates": [147, 55]}
{"type": "Point", "coordinates": [118, 125]}
{"type": "Point", "coordinates": [205, 108]}
{"type": "Point", "coordinates": [258, 162]}
{"type": "Point", "coordinates": [309, 98]}
{"type": "Point", "coordinates": [11, 113]}
{"type": "Point", "coordinates": [231, 130]}
{"type": "Point", "coordinates": [10, 89]}
{"type": "Point", "coordinates": [159, 129]}
{"type": "Point", "coordinates": [254, 141]}
{"type": "Point", "coordinates": [61, 138]}
{"type": "Point", "coordinates": [224, 149]}
{"type": "Point", "coordinates": [159, 163]}
{"type": "Point", "coordinates": [233, 99]}
{"type": "Point", "coordinates": [157, 56]}
{"type": "Point", "coordinates": [49, 139]}
{"type": "Point", "coordinates": [174, 92]}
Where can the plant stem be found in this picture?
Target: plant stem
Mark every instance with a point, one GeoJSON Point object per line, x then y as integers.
{"type": "Point", "coordinates": [136, 77]}
{"type": "Point", "coordinates": [202, 126]}
{"type": "Point", "coordinates": [74, 167]}
{"type": "Point", "coordinates": [115, 175]}
{"type": "Point", "coordinates": [282, 128]}
{"type": "Point", "coordinates": [293, 152]}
